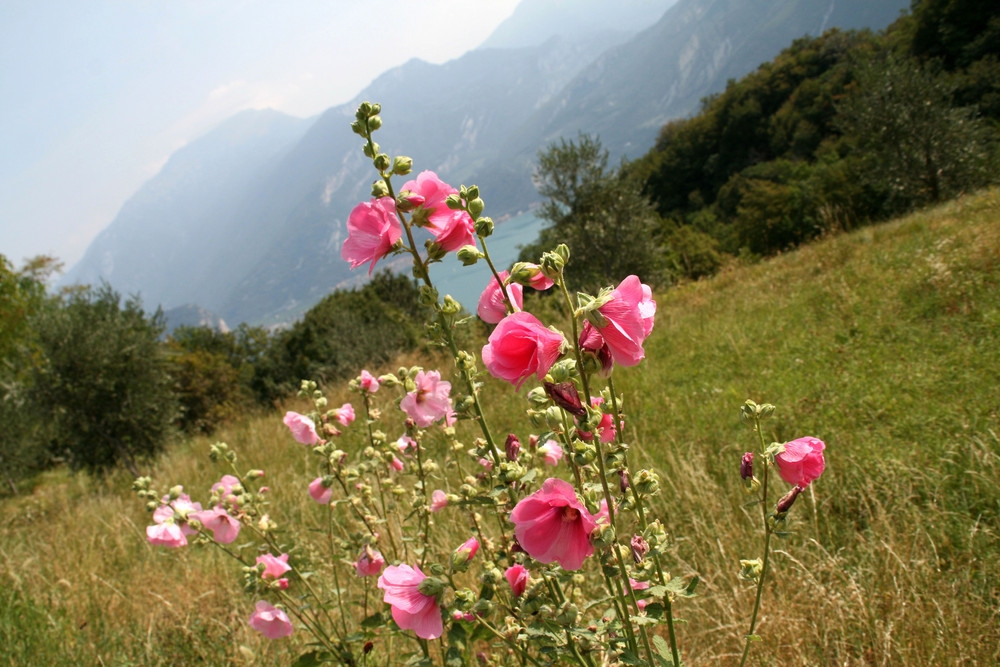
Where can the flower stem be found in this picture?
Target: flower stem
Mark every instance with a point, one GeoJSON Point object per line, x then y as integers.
{"type": "Point", "coordinates": [767, 545]}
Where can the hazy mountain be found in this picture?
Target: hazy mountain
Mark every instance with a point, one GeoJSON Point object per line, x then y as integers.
{"type": "Point", "coordinates": [248, 221]}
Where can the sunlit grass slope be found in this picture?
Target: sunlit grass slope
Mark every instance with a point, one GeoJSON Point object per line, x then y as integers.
{"type": "Point", "coordinates": [884, 342]}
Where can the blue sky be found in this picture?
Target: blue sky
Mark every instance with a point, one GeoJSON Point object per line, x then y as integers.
{"type": "Point", "coordinates": [98, 93]}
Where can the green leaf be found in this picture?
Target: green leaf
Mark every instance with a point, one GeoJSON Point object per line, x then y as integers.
{"type": "Point", "coordinates": [457, 637]}
{"type": "Point", "coordinates": [754, 638]}
{"type": "Point", "coordinates": [313, 658]}
{"type": "Point", "coordinates": [454, 657]}
{"type": "Point", "coordinates": [630, 658]}
{"type": "Point", "coordinates": [376, 620]}
{"type": "Point", "coordinates": [663, 655]}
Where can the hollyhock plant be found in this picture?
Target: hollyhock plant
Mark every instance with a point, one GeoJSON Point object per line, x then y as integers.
{"type": "Point", "coordinates": [224, 528]}
{"type": "Point", "coordinates": [551, 452]}
{"type": "Point", "coordinates": [274, 566]}
{"type": "Point", "coordinates": [468, 548]}
{"type": "Point", "coordinates": [411, 609]}
{"type": "Point", "coordinates": [801, 461]}
{"type": "Point", "coordinates": [435, 193]}
{"type": "Point", "coordinates": [372, 230]}
{"type": "Point", "coordinates": [270, 621]}
{"type": "Point", "coordinates": [439, 500]}
{"type": "Point", "coordinates": [552, 525]}
{"type": "Point", "coordinates": [396, 464]}
{"type": "Point", "coordinates": [172, 529]}
{"type": "Point", "coordinates": [606, 429]}
{"type": "Point", "coordinates": [166, 534]}
{"type": "Point", "coordinates": [303, 429]}
{"type": "Point", "coordinates": [454, 232]}
{"type": "Point", "coordinates": [521, 346]}
{"type": "Point", "coordinates": [344, 414]}
{"type": "Point", "coordinates": [492, 307]}
{"type": "Point", "coordinates": [224, 489]}
{"type": "Point", "coordinates": [626, 321]}
{"type": "Point", "coordinates": [517, 577]}
{"type": "Point", "coordinates": [369, 382]}
{"type": "Point", "coordinates": [430, 401]}
{"type": "Point", "coordinates": [319, 493]}
{"type": "Point", "coordinates": [592, 343]}
{"type": "Point", "coordinates": [369, 563]}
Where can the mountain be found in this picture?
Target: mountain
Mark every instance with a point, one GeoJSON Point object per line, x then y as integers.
{"type": "Point", "coordinates": [248, 221]}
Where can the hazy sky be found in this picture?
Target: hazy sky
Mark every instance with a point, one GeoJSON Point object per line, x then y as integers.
{"type": "Point", "coordinates": [96, 94]}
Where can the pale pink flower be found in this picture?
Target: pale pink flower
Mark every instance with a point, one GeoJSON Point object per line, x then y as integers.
{"type": "Point", "coordinates": [411, 609]}
{"type": "Point", "coordinates": [396, 464]}
{"type": "Point", "coordinates": [172, 529]}
{"type": "Point", "coordinates": [274, 567]}
{"type": "Point", "coordinates": [224, 528]}
{"type": "Point", "coordinates": [368, 382]}
{"type": "Point", "coordinates": [405, 443]}
{"type": "Point", "coordinates": [224, 489]}
{"type": "Point", "coordinates": [470, 547]}
{"type": "Point", "coordinates": [270, 621]}
{"type": "Point", "coordinates": [372, 231]}
{"type": "Point", "coordinates": [517, 577]}
{"type": "Point", "coordinates": [344, 414]}
{"type": "Point", "coordinates": [303, 429]}
{"type": "Point", "coordinates": [801, 461]}
{"type": "Point", "coordinates": [369, 563]}
{"type": "Point", "coordinates": [628, 321]}
{"type": "Point", "coordinates": [551, 452]}
{"type": "Point", "coordinates": [486, 463]}
{"type": "Point", "coordinates": [321, 494]}
{"type": "Point", "coordinates": [552, 525]}
{"type": "Point", "coordinates": [166, 535]}
{"type": "Point", "coordinates": [439, 500]}
{"type": "Point", "coordinates": [429, 402]}
{"type": "Point", "coordinates": [519, 347]}
{"type": "Point", "coordinates": [492, 308]}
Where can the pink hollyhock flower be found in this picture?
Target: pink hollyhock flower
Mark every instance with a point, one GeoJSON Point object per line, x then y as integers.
{"type": "Point", "coordinates": [405, 443]}
{"type": "Point", "coordinates": [224, 527]}
{"type": "Point", "coordinates": [372, 231]}
{"type": "Point", "coordinates": [321, 494]}
{"type": "Point", "coordinates": [491, 304]}
{"type": "Point", "coordinates": [551, 452]}
{"type": "Point", "coordinates": [454, 232]}
{"type": "Point", "coordinates": [368, 382]}
{"type": "Point", "coordinates": [435, 194]}
{"type": "Point", "coordinates": [369, 563]}
{"type": "Point", "coordinates": [224, 489]}
{"type": "Point", "coordinates": [539, 281]}
{"type": "Point", "coordinates": [303, 429]}
{"type": "Point", "coordinates": [411, 609]}
{"type": "Point", "coordinates": [430, 401]}
{"type": "Point", "coordinates": [592, 342]}
{"type": "Point", "coordinates": [439, 500]}
{"type": "Point", "coordinates": [172, 529]}
{"type": "Point", "coordinates": [270, 621]}
{"type": "Point", "coordinates": [628, 321]}
{"type": "Point", "coordinates": [552, 525]}
{"type": "Point", "coordinates": [521, 346]}
{"type": "Point", "coordinates": [166, 535]}
{"type": "Point", "coordinates": [486, 463]}
{"type": "Point", "coordinates": [517, 577]}
{"type": "Point", "coordinates": [802, 461]}
{"type": "Point", "coordinates": [606, 429]}
{"type": "Point", "coordinates": [274, 566]}
{"type": "Point", "coordinates": [639, 586]}
{"type": "Point", "coordinates": [603, 516]}
{"type": "Point", "coordinates": [344, 414]}
{"type": "Point", "coordinates": [396, 464]}
{"type": "Point", "coordinates": [470, 547]}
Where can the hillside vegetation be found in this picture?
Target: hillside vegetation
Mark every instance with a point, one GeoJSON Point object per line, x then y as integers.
{"type": "Point", "coordinates": [884, 342]}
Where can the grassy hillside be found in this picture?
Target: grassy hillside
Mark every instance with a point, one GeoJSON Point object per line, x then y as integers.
{"type": "Point", "coordinates": [885, 343]}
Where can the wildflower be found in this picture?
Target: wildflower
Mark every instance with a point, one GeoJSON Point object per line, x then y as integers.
{"type": "Point", "coordinates": [429, 402]}
{"type": "Point", "coordinates": [552, 525]}
{"type": "Point", "coordinates": [369, 563]}
{"type": "Point", "coordinates": [368, 382]}
{"type": "Point", "coordinates": [411, 608]}
{"type": "Point", "coordinates": [303, 429]}
{"type": "Point", "coordinates": [439, 500]}
{"type": "Point", "coordinates": [492, 308]}
{"type": "Point", "coordinates": [801, 461]}
{"type": "Point", "coordinates": [270, 621]}
{"type": "Point", "coordinates": [319, 492]}
{"type": "Point", "coordinates": [551, 452]}
{"type": "Point", "coordinates": [372, 230]}
{"type": "Point", "coordinates": [224, 527]}
{"type": "Point", "coordinates": [521, 346]}
{"type": "Point", "coordinates": [344, 414]}
{"type": "Point", "coordinates": [626, 320]}
{"type": "Point", "coordinates": [517, 577]}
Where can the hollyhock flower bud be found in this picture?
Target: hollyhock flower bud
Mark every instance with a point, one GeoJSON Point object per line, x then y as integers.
{"type": "Point", "coordinates": [302, 428]}
{"type": "Point", "coordinates": [369, 563]}
{"type": "Point", "coordinates": [639, 548]}
{"type": "Point", "coordinates": [372, 230]}
{"type": "Point", "coordinates": [274, 566]}
{"type": "Point", "coordinates": [801, 461]}
{"type": "Point", "coordinates": [512, 447]}
{"type": "Point", "coordinates": [622, 481]}
{"type": "Point", "coordinates": [224, 489]}
{"type": "Point", "coordinates": [411, 608]}
{"type": "Point", "coordinates": [406, 443]}
{"type": "Point", "coordinates": [320, 493]}
{"type": "Point", "coordinates": [492, 308]}
{"type": "Point", "coordinates": [224, 527]}
{"type": "Point", "coordinates": [746, 466]}
{"type": "Point", "coordinates": [429, 402]}
{"type": "Point", "coordinates": [439, 500]}
{"type": "Point", "coordinates": [465, 553]}
{"type": "Point", "coordinates": [594, 347]}
{"type": "Point", "coordinates": [626, 320]}
{"type": "Point", "coordinates": [517, 576]}
{"type": "Point", "coordinates": [407, 201]}
{"type": "Point", "coordinates": [552, 525]}
{"type": "Point", "coordinates": [519, 347]}
{"type": "Point", "coordinates": [551, 452]}
{"type": "Point", "coordinates": [469, 255]}
{"type": "Point", "coordinates": [344, 414]}
{"type": "Point", "coordinates": [368, 382]}
{"type": "Point", "coordinates": [565, 395]}
{"type": "Point", "coordinates": [270, 621]}
{"type": "Point", "coordinates": [786, 501]}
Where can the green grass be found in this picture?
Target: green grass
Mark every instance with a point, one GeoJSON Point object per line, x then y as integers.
{"type": "Point", "coordinates": [884, 342]}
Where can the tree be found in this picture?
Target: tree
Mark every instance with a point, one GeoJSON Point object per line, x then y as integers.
{"type": "Point", "coordinates": [610, 227]}
{"type": "Point", "coordinates": [103, 382]}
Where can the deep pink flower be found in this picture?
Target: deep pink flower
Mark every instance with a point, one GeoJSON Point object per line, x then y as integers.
{"type": "Point", "coordinates": [802, 461]}
{"type": "Point", "coordinates": [628, 321]}
{"type": "Point", "coordinates": [303, 429]}
{"type": "Point", "coordinates": [411, 609]}
{"type": "Point", "coordinates": [454, 232]}
{"type": "Point", "coordinates": [270, 621]}
{"type": "Point", "coordinates": [369, 563]}
{"type": "Point", "coordinates": [372, 231]}
{"type": "Point", "coordinates": [540, 281]}
{"type": "Point", "coordinates": [519, 347]}
{"type": "Point", "coordinates": [429, 402]}
{"type": "Point", "coordinates": [517, 577]}
{"type": "Point", "coordinates": [396, 464]}
{"type": "Point", "coordinates": [368, 382]}
{"type": "Point", "coordinates": [592, 342]}
{"type": "Point", "coordinates": [435, 194]}
{"type": "Point", "coordinates": [439, 500]}
{"type": "Point", "coordinates": [552, 525]}
{"type": "Point", "coordinates": [224, 527]}
{"type": "Point", "coordinates": [470, 547]}
{"type": "Point", "coordinates": [551, 452]}
{"type": "Point", "coordinates": [321, 494]}
{"type": "Point", "coordinates": [491, 304]}
{"type": "Point", "coordinates": [344, 414]}
{"type": "Point", "coordinates": [639, 586]}
{"type": "Point", "coordinates": [274, 566]}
